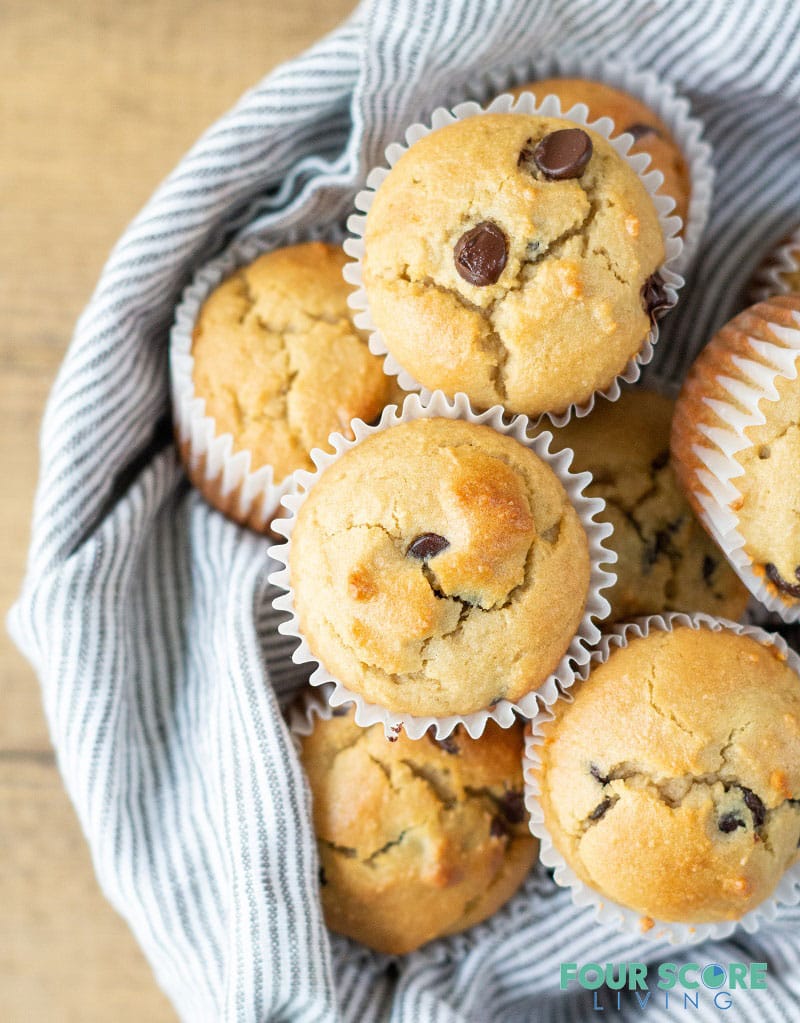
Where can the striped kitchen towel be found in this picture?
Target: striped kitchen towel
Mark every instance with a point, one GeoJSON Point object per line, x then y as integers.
{"type": "Point", "coordinates": [147, 615]}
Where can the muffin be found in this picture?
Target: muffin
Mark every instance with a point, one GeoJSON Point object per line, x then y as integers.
{"type": "Point", "coordinates": [417, 839]}
{"type": "Point", "coordinates": [666, 561]}
{"type": "Point", "coordinates": [438, 567]}
{"type": "Point", "coordinates": [279, 363]}
{"type": "Point", "coordinates": [531, 280]}
{"type": "Point", "coordinates": [745, 480]}
{"type": "Point", "coordinates": [671, 783]}
{"type": "Point", "coordinates": [779, 274]}
{"type": "Point", "coordinates": [630, 116]}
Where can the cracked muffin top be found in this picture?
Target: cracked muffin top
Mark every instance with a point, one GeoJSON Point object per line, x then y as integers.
{"type": "Point", "coordinates": [667, 561]}
{"type": "Point", "coordinates": [629, 115]}
{"type": "Point", "coordinates": [731, 366]}
{"type": "Point", "coordinates": [513, 257]}
{"type": "Point", "coordinates": [438, 567]}
{"type": "Point", "coordinates": [417, 839]}
{"type": "Point", "coordinates": [278, 360]}
{"type": "Point", "coordinates": [672, 783]}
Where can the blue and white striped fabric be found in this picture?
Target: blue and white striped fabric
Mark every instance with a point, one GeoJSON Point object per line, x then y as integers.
{"type": "Point", "coordinates": [147, 615]}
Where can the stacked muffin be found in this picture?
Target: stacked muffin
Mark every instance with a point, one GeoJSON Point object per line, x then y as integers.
{"type": "Point", "coordinates": [443, 563]}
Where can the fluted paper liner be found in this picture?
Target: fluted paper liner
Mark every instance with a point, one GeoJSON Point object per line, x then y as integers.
{"type": "Point", "coordinates": [715, 492]}
{"type": "Point", "coordinates": [224, 477]}
{"type": "Point", "coordinates": [606, 911]}
{"type": "Point", "coordinates": [526, 104]}
{"type": "Point", "coordinates": [769, 278]}
{"type": "Point", "coordinates": [588, 508]}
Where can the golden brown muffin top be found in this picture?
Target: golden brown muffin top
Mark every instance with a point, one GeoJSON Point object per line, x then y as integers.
{"type": "Point", "coordinates": [667, 561]}
{"type": "Point", "coordinates": [439, 566]}
{"type": "Point", "coordinates": [417, 839]}
{"type": "Point", "coordinates": [278, 360]}
{"type": "Point", "coordinates": [671, 783]}
{"type": "Point", "coordinates": [486, 274]}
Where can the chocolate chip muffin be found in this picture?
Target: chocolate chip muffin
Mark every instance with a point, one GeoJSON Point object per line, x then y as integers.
{"type": "Point", "coordinates": [437, 567]}
{"type": "Point", "coordinates": [630, 116]}
{"type": "Point", "coordinates": [667, 562]}
{"type": "Point", "coordinates": [417, 839]}
{"type": "Point", "coordinates": [728, 379]}
{"type": "Point", "coordinates": [529, 281]}
{"type": "Point", "coordinates": [671, 783]}
{"type": "Point", "coordinates": [278, 361]}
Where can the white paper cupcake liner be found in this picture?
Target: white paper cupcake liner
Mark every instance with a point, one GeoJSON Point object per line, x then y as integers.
{"type": "Point", "coordinates": [769, 279]}
{"type": "Point", "coordinates": [526, 104]}
{"type": "Point", "coordinates": [716, 492]}
{"type": "Point", "coordinates": [588, 509]}
{"type": "Point", "coordinates": [674, 110]}
{"type": "Point", "coordinates": [606, 911]}
{"type": "Point", "coordinates": [223, 476]}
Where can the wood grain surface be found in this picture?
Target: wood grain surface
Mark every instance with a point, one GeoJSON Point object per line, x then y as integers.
{"type": "Point", "coordinates": [98, 101]}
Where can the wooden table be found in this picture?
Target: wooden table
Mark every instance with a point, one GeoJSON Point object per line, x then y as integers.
{"type": "Point", "coordinates": [98, 100]}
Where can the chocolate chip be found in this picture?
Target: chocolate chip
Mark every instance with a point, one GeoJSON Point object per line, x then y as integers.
{"type": "Point", "coordinates": [339, 712]}
{"type": "Point", "coordinates": [427, 545]}
{"type": "Point", "coordinates": [481, 254]}
{"type": "Point", "coordinates": [755, 806]}
{"type": "Point", "coordinates": [323, 880]}
{"type": "Point", "coordinates": [654, 296]}
{"type": "Point", "coordinates": [512, 806]}
{"type": "Point", "coordinates": [599, 810]}
{"type": "Point", "coordinates": [709, 567]}
{"type": "Point", "coordinates": [774, 576]}
{"type": "Point", "coordinates": [594, 770]}
{"type": "Point", "coordinates": [639, 130]}
{"type": "Point", "coordinates": [498, 829]}
{"type": "Point", "coordinates": [563, 154]}
{"type": "Point", "coordinates": [660, 461]}
{"type": "Point", "coordinates": [730, 822]}
{"type": "Point", "coordinates": [448, 744]}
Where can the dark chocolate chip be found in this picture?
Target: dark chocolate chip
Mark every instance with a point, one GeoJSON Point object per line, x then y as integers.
{"type": "Point", "coordinates": [774, 576]}
{"type": "Point", "coordinates": [427, 545]}
{"type": "Point", "coordinates": [481, 254]}
{"type": "Point", "coordinates": [639, 130]}
{"type": "Point", "coordinates": [392, 970]}
{"type": "Point", "coordinates": [594, 770]}
{"type": "Point", "coordinates": [730, 822]}
{"type": "Point", "coordinates": [512, 806]}
{"type": "Point", "coordinates": [654, 296]}
{"type": "Point", "coordinates": [323, 880]}
{"type": "Point", "coordinates": [339, 712]}
{"type": "Point", "coordinates": [498, 828]}
{"type": "Point", "coordinates": [448, 744]}
{"type": "Point", "coordinates": [709, 567]}
{"type": "Point", "coordinates": [660, 461]}
{"type": "Point", "coordinates": [755, 806]}
{"type": "Point", "coordinates": [563, 154]}
{"type": "Point", "coordinates": [599, 810]}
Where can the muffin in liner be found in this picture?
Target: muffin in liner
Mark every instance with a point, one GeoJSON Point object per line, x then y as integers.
{"type": "Point", "coordinates": [526, 104]}
{"type": "Point", "coordinates": [779, 274]}
{"type": "Point", "coordinates": [605, 910]}
{"type": "Point", "coordinates": [673, 109]}
{"type": "Point", "coordinates": [220, 463]}
{"type": "Point", "coordinates": [440, 871]}
{"type": "Point", "coordinates": [596, 607]}
{"type": "Point", "coordinates": [720, 400]}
